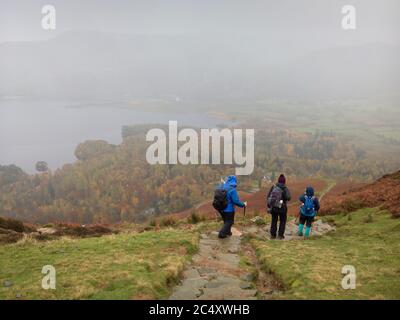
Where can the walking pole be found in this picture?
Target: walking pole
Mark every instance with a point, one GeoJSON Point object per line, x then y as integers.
{"type": "Point", "coordinates": [217, 216]}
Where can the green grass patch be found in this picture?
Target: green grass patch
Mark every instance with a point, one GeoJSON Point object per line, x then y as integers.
{"type": "Point", "coordinates": [311, 269]}
{"type": "Point", "coordinates": [124, 266]}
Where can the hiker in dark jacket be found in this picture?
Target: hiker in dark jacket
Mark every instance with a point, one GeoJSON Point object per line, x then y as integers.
{"type": "Point", "coordinates": [308, 210]}
{"type": "Point", "coordinates": [278, 196]}
{"type": "Point", "coordinates": [228, 214]}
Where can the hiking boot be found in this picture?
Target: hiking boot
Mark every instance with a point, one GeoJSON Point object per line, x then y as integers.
{"type": "Point", "coordinates": [273, 237]}
{"type": "Point", "coordinates": [281, 237]}
{"type": "Point", "coordinates": [222, 236]}
{"type": "Point", "coordinates": [229, 234]}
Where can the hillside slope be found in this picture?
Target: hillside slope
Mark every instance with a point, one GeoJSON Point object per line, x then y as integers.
{"type": "Point", "coordinates": [384, 193]}
{"type": "Point", "coordinates": [137, 264]}
{"type": "Point", "coordinates": [124, 266]}
{"type": "Point", "coordinates": [311, 269]}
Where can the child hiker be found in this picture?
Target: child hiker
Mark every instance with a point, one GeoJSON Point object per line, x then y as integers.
{"type": "Point", "coordinates": [308, 210]}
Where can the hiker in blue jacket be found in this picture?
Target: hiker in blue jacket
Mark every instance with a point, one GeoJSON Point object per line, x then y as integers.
{"type": "Point", "coordinates": [228, 214]}
{"type": "Point", "coordinates": [308, 210]}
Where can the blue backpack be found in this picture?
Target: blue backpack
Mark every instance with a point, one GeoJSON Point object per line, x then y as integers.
{"type": "Point", "coordinates": [308, 209]}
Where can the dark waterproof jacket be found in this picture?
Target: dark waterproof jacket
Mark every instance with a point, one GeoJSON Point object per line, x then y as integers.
{"type": "Point", "coordinates": [285, 197]}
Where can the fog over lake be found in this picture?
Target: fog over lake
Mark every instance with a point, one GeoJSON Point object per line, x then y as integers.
{"type": "Point", "coordinates": [218, 55]}
{"type": "Point", "coordinates": [50, 130]}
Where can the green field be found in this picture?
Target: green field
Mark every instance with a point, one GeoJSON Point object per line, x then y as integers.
{"type": "Point", "coordinates": [125, 266]}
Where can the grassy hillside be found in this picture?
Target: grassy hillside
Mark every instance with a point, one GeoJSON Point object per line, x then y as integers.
{"type": "Point", "coordinates": [367, 239]}
{"type": "Point", "coordinates": [124, 266]}
{"type": "Point", "coordinates": [147, 264]}
{"type": "Point", "coordinates": [144, 265]}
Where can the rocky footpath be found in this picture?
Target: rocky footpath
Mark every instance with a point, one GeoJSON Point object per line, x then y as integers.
{"type": "Point", "coordinates": [216, 272]}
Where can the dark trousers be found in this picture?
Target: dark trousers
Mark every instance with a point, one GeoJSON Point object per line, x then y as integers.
{"type": "Point", "coordinates": [306, 220]}
{"type": "Point", "coordinates": [281, 216]}
{"type": "Point", "coordinates": [228, 218]}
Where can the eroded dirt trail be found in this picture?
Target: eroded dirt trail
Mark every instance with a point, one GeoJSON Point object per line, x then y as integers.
{"type": "Point", "coordinates": [216, 273]}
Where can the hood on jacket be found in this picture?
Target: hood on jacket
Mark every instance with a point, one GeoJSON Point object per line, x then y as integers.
{"type": "Point", "coordinates": [282, 179]}
{"type": "Point", "coordinates": [231, 182]}
{"type": "Point", "coordinates": [310, 191]}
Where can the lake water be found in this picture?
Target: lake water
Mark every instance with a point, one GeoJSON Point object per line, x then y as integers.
{"type": "Point", "coordinates": [50, 130]}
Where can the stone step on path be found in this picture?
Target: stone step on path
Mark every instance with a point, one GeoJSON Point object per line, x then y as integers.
{"type": "Point", "coordinates": [215, 272]}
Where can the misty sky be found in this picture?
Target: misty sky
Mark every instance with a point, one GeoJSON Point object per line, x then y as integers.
{"type": "Point", "coordinates": [178, 53]}
{"type": "Point", "coordinates": [202, 49]}
{"type": "Point", "coordinates": [287, 20]}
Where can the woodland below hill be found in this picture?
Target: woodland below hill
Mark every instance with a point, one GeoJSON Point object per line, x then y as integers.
{"type": "Point", "coordinates": [110, 183]}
